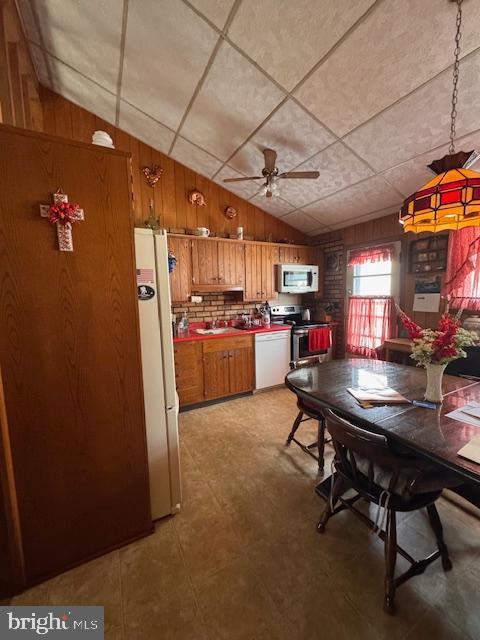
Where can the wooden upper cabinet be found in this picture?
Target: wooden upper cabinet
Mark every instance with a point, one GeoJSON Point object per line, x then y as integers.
{"type": "Point", "coordinates": [204, 263]}
{"type": "Point", "coordinates": [231, 263]}
{"type": "Point", "coordinates": [253, 272]}
{"type": "Point", "coordinates": [180, 278]}
{"type": "Point", "coordinates": [270, 257]}
{"type": "Point", "coordinates": [260, 261]}
{"type": "Point", "coordinates": [217, 265]}
{"type": "Point", "coordinates": [296, 255]}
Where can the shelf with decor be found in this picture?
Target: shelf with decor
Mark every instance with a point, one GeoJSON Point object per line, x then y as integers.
{"type": "Point", "coordinates": [428, 255]}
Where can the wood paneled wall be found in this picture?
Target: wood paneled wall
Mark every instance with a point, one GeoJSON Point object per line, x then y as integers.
{"type": "Point", "coordinates": [385, 229]}
{"type": "Point", "coordinates": [19, 90]}
{"type": "Point", "coordinates": [66, 119]}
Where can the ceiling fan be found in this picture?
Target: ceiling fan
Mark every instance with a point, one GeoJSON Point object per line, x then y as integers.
{"type": "Point", "coordinates": [272, 176]}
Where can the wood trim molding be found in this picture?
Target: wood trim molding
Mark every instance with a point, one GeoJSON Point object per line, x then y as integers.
{"type": "Point", "coordinates": [48, 137]}
{"type": "Point", "coordinates": [214, 238]}
{"type": "Point", "coordinates": [7, 482]}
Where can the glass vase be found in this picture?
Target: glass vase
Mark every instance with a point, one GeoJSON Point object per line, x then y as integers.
{"type": "Point", "coordinates": [434, 392]}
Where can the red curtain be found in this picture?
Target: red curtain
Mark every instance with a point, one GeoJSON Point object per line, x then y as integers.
{"type": "Point", "coordinates": [371, 254]}
{"type": "Point", "coordinates": [370, 322]}
{"type": "Point", "coordinates": [462, 280]}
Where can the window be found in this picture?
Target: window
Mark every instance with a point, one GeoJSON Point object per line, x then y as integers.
{"type": "Point", "coordinates": [380, 277]}
{"type": "Point", "coordinates": [372, 279]}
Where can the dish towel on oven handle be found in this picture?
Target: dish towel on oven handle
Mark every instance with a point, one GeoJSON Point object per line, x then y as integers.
{"type": "Point", "coordinates": [319, 339]}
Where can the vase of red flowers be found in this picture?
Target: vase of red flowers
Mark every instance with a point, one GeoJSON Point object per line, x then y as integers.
{"type": "Point", "coordinates": [433, 349]}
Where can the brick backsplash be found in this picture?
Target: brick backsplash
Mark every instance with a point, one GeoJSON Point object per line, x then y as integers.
{"type": "Point", "coordinates": [222, 306]}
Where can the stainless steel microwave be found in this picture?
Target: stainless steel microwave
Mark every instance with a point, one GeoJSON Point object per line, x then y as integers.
{"type": "Point", "coordinates": [297, 278]}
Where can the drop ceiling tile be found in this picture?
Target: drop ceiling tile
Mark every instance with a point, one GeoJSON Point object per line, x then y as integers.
{"type": "Point", "coordinates": [358, 200]}
{"type": "Point", "coordinates": [215, 10]}
{"type": "Point", "coordinates": [420, 121]}
{"type": "Point", "coordinates": [276, 206]}
{"type": "Point", "coordinates": [288, 39]}
{"type": "Point", "coordinates": [291, 132]}
{"type": "Point", "coordinates": [338, 168]}
{"type": "Point", "coordinates": [167, 48]}
{"type": "Point", "coordinates": [234, 99]}
{"type": "Point", "coordinates": [413, 174]}
{"type": "Point", "coordinates": [81, 91]}
{"type": "Point", "coordinates": [144, 128]}
{"type": "Point", "coordinates": [88, 41]}
{"type": "Point", "coordinates": [417, 31]}
{"type": "Point", "coordinates": [302, 221]}
{"type": "Point", "coordinates": [195, 158]}
{"type": "Point", "coordinates": [245, 189]}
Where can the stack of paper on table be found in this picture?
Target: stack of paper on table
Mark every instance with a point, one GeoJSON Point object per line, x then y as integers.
{"type": "Point", "coordinates": [470, 413]}
{"type": "Point", "coordinates": [386, 395]}
{"type": "Point", "coordinates": [471, 451]}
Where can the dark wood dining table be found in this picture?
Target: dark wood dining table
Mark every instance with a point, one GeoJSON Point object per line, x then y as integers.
{"type": "Point", "coordinates": [427, 433]}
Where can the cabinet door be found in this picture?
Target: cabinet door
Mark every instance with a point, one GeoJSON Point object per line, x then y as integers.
{"type": "Point", "coordinates": [241, 370]}
{"type": "Point", "coordinates": [216, 374]}
{"type": "Point", "coordinates": [204, 262]}
{"type": "Point", "coordinates": [188, 372]}
{"type": "Point", "coordinates": [231, 263]}
{"type": "Point", "coordinates": [180, 278]}
{"type": "Point", "coordinates": [270, 257]}
{"type": "Point", "coordinates": [303, 255]}
{"type": "Point", "coordinates": [253, 272]}
{"type": "Point", "coordinates": [287, 255]}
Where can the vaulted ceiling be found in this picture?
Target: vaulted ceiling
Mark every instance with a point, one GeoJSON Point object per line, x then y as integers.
{"type": "Point", "coordinates": [357, 89]}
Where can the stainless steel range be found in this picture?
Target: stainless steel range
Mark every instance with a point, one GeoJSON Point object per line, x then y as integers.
{"type": "Point", "coordinates": [294, 315]}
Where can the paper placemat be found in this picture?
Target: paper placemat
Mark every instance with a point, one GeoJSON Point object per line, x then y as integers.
{"type": "Point", "coordinates": [463, 414]}
{"type": "Point", "coordinates": [471, 451]}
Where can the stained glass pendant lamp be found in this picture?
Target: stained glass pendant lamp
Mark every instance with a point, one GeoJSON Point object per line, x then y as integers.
{"type": "Point", "coordinates": [451, 200]}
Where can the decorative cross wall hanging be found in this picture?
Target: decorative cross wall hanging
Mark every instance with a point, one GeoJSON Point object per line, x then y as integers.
{"type": "Point", "coordinates": [63, 214]}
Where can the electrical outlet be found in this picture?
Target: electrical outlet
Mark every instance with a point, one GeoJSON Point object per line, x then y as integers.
{"type": "Point", "coordinates": [196, 299]}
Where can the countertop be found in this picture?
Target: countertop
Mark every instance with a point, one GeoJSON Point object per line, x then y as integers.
{"type": "Point", "coordinates": [193, 335]}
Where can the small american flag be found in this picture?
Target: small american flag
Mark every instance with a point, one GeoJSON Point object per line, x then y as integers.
{"type": "Point", "coordinates": [144, 276]}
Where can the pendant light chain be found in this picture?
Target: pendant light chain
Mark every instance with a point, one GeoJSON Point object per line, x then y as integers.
{"type": "Point", "coordinates": [456, 70]}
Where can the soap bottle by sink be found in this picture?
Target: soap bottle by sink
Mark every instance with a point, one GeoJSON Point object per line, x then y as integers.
{"type": "Point", "coordinates": [183, 324]}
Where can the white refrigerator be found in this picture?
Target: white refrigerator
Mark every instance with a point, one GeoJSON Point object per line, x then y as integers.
{"type": "Point", "coordinates": [161, 399]}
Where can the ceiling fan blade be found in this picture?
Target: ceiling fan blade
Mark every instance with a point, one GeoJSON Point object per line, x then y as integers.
{"type": "Point", "coordinates": [240, 179]}
{"type": "Point", "coordinates": [270, 158]}
{"type": "Point", "coordinates": [300, 174]}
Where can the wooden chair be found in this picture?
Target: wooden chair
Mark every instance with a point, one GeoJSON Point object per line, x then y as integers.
{"type": "Point", "coordinates": [313, 413]}
{"type": "Point", "coordinates": [365, 462]}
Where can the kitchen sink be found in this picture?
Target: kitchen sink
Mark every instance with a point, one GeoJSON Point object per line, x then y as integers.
{"type": "Point", "coordinates": [213, 332]}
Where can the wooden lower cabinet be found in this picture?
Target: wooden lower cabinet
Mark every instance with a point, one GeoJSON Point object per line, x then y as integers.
{"type": "Point", "coordinates": [210, 369]}
{"type": "Point", "coordinates": [241, 370]}
{"type": "Point", "coordinates": [216, 377]}
{"type": "Point", "coordinates": [188, 372]}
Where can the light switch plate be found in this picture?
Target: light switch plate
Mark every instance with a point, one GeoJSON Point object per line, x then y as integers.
{"type": "Point", "coordinates": [196, 299]}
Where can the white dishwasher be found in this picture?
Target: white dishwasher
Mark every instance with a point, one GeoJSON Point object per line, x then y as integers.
{"type": "Point", "coordinates": [272, 358]}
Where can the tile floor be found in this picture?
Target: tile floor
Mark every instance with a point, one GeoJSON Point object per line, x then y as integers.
{"type": "Point", "coordinates": [243, 561]}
